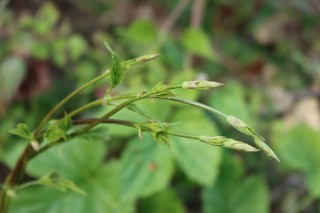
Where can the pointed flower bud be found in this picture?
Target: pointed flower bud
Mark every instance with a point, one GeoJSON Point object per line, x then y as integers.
{"type": "Point", "coordinates": [238, 145]}
{"type": "Point", "coordinates": [228, 143]}
{"type": "Point", "coordinates": [266, 149]}
{"type": "Point", "coordinates": [140, 60]}
{"type": "Point", "coordinates": [200, 85]}
{"type": "Point", "coordinates": [243, 127]}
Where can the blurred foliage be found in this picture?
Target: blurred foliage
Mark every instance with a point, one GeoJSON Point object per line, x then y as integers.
{"type": "Point", "coordinates": [267, 53]}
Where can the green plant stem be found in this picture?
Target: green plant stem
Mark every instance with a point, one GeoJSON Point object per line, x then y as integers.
{"type": "Point", "coordinates": [131, 124]}
{"type": "Point", "coordinates": [182, 135]}
{"type": "Point", "coordinates": [26, 185]}
{"type": "Point", "coordinates": [196, 104]}
{"type": "Point", "coordinates": [100, 101]}
{"type": "Point", "coordinates": [108, 121]}
{"type": "Point", "coordinates": [85, 107]}
{"type": "Point", "coordinates": [4, 201]}
{"type": "Point", "coordinates": [12, 178]}
{"type": "Point", "coordinates": [66, 99]}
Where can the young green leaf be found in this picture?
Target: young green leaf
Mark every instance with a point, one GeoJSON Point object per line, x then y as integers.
{"type": "Point", "coordinates": [58, 129]}
{"type": "Point", "coordinates": [117, 69]}
{"type": "Point", "coordinates": [54, 180]}
{"type": "Point", "coordinates": [160, 90]}
{"type": "Point", "coordinates": [23, 131]}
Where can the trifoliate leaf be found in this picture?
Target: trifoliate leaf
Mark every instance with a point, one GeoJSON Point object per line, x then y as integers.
{"type": "Point", "coordinates": [23, 131]}
{"type": "Point", "coordinates": [54, 180]}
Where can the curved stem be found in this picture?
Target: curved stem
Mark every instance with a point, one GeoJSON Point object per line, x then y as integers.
{"type": "Point", "coordinates": [85, 107]}
{"type": "Point", "coordinates": [66, 99]}
{"type": "Point", "coordinates": [26, 185]}
{"type": "Point", "coordinates": [196, 104]}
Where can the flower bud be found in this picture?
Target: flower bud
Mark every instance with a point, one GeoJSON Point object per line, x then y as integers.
{"type": "Point", "coordinates": [213, 140]}
{"type": "Point", "coordinates": [35, 145]}
{"type": "Point", "coordinates": [238, 145]}
{"type": "Point", "coordinates": [266, 149]}
{"type": "Point", "coordinates": [201, 85]}
{"type": "Point", "coordinates": [228, 143]}
{"type": "Point", "coordinates": [140, 60]}
{"type": "Point", "coordinates": [243, 127]}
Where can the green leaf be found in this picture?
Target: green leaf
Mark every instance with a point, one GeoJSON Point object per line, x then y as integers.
{"type": "Point", "coordinates": [58, 129]}
{"type": "Point", "coordinates": [47, 17]}
{"type": "Point", "coordinates": [54, 180]}
{"type": "Point", "coordinates": [164, 201]}
{"type": "Point", "coordinates": [199, 161]}
{"type": "Point", "coordinates": [298, 147]}
{"type": "Point", "coordinates": [117, 69]}
{"type": "Point", "coordinates": [79, 160]}
{"type": "Point", "coordinates": [248, 195]}
{"type": "Point", "coordinates": [161, 90]}
{"type": "Point", "coordinates": [12, 73]}
{"type": "Point", "coordinates": [197, 42]}
{"type": "Point", "coordinates": [77, 46]}
{"type": "Point", "coordinates": [23, 131]}
{"type": "Point", "coordinates": [313, 183]}
{"type": "Point", "coordinates": [299, 150]}
{"type": "Point", "coordinates": [146, 169]}
{"type": "Point", "coordinates": [103, 194]}
{"type": "Point", "coordinates": [139, 32]}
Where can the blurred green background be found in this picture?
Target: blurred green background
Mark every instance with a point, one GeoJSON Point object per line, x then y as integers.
{"type": "Point", "coordinates": [267, 54]}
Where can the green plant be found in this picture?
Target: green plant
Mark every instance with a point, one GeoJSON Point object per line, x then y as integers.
{"type": "Point", "coordinates": [51, 133]}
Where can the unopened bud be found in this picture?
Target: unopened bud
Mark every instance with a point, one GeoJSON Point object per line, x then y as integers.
{"type": "Point", "coordinates": [201, 85]}
{"type": "Point", "coordinates": [228, 143]}
{"type": "Point", "coordinates": [213, 140]}
{"type": "Point", "coordinates": [35, 145]}
{"type": "Point", "coordinates": [238, 145]}
{"type": "Point", "coordinates": [140, 60]}
{"type": "Point", "coordinates": [266, 149]}
{"type": "Point", "coordinates": [243, 127]}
